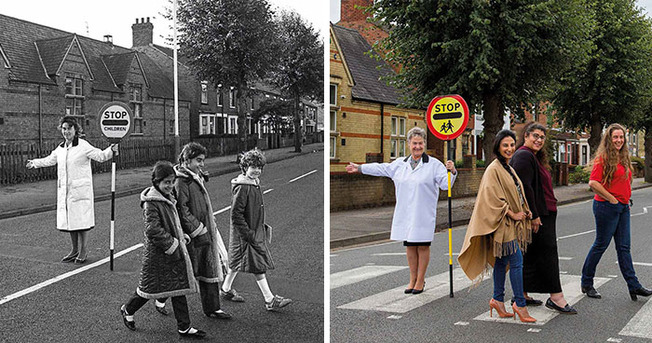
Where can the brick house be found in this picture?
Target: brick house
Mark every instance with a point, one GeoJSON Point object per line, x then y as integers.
{"type": "Point", "coordinates": [213, 110]}
{"type": "Point", "coordinates": [48, 73]}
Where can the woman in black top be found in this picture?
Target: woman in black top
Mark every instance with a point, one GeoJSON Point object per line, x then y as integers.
{"type": "Point", "coordinates": [540, 262]}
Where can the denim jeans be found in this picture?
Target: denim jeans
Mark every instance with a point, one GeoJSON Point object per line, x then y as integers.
{"type": "Point", "coordinates": [515, 262]}
{"type": "Point", "coordinates": [611, 221]}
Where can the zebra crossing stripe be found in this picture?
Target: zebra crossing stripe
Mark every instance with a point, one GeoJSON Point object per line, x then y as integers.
{"type": "Point", "coordinates": [639, 325]}
{"type": "Point", "coordinates": [395, 301]}
{"type": "Point", "coordinates": [352, 276]}
{"type": "Point", "coordinates": [572, 292]}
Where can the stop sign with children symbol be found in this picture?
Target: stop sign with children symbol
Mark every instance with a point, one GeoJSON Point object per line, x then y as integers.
{"type": "Point", "coordinates": [447, 116]}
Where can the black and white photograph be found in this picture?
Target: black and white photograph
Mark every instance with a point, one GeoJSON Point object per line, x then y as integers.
{"type": "Point", "coordinates": [162, 171]}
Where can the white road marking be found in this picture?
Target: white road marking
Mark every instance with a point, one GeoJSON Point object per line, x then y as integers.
{"type": "Point", "coordinates": [533, 330]}
{"type": "Point", "coordinates": [565, 258]}
{"type": "Point", "coordinates": [394, 317]}
{"type": "Point", "coordinates": [571, 286]}
{"type": "Point", "coordinates": [642, 264]}
{"type": "Point", "coordinates": [302, 176]}
{"type": "Point", "coordinates": [575, 234]}
{"type": "Point", "coordinates": [389, 254]}
{"type": "Point", "coordinates": [395, 301]}
{"type": "Point", "coordinates": [351, 276]}
{"type": "Point", "coordinates": [229, 207]}
{"type": "Point", "coordinates": [64, 276]}
{"type": "Point", "coordinates": [462, 323]}
{"type": "Point", "coordinates": [611, 339]}
{"type": "Point", "coordinates": [612, 276]}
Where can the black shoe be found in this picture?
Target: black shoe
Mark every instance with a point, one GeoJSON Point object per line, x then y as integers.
{"type": "Point", "coordinates": [130, 324]}
{"type": "Point", "coordinates": [591, 292]}
{"type": "Point", "coordinates": [408, 290]}
{"type": "Point", "coordinates": [565, 310]}
{"type": "Point", "coordinates": [219, 315]}
{"type": "Point", "coordinates": [192, 333]}
{"type": "Point", "coordinates": [70, 257]}
{"type": "Point", "coordinates": [645, 292]}
{"type": "Point", "coordinates": [162, 310]}
{"type": "Point", "coordinates": [530, 302]}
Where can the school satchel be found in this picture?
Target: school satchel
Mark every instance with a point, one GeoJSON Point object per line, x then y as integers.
{"type": "Point", "coordinates": [268, 233]}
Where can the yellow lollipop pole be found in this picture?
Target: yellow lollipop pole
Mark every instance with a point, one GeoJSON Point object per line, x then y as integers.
{"type": "Point", "coordinates": [450, 234]}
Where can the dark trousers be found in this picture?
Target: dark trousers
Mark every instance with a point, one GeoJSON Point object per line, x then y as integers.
{"type": "Point", "coordinates": [179, 305]}
{"type": "Point", "coordinates": [210, 296]}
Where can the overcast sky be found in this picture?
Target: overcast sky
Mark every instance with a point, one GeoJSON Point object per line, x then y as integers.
{"type": "Point", "coordinates": [335, 9]}
{"type": "Point", "coordinates": [95, 19]}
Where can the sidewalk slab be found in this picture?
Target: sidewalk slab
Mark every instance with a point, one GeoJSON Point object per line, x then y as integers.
{"type": "Point", "coordinates": [29, 198]}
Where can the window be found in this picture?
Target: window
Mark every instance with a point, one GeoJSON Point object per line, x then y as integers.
{"type": "Point", "coordinates": [392, 153]}
{"type": "Point", "coordinates": [220, 101]}
{"type": "Point", "coordinates": [584, 155]}
{"type": "Point", "coordinates": [252, 104]}
{"type": "Point", "coordinates": [74, 96]}
{"type": "Point", "coordinates": [401, 127]}
{"type": "Point", "coordinates": [206, 124]}
{"type": "Point", "coordinates": [136, 103]}
{"type": "Point", "coordinates": [171, 127]}
{"type": "Point", "coordinates": [221, 125]}
{"type": "Point", "coordinates": [332, 149]}
{"type": "Point", "coordinates": [397, 132]}
{"type": "Point", "coordinates": [333, 121]}
{"type": "Point", "coordinates": [204, 92]}
{"type": "Point", "coordinates": [401, 148]}
{"type": "Point", "coordinates": [333, 95]}
{"type": "Point", "coordinates": [233, 125]}
{"type": "Point", "coordinates": [232, 98]}
{"type": "Point", "coordinates": [394, 128]}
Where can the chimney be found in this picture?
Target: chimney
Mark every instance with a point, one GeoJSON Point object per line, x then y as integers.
{"type": "Point", "coordinates": [108, 39]}
{"type": "Point", "coordinates": [349, 12]}
{"type": "Point", "coordinates": [142, 32]}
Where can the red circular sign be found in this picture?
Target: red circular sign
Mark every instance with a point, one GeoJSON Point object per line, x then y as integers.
{"type": "Point", "coordinates": [447, 116]}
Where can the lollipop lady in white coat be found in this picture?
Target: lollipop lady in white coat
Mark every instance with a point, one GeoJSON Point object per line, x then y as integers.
{"type": "Point", "coordinates": [417, 180]}
{"type": "Point", "coordinates": [75, 210]}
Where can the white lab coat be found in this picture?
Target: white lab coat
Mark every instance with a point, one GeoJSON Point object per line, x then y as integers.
{"type": "Point", "coordinates": [75, 208]}
{"type": "Point", "coordinates": [417, 192]}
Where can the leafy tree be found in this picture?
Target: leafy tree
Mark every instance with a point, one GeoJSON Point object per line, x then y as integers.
{"type": "Point", "coordinates": [272, 113]}
{"type": "Point", "coordinates": [229, 42]}
{"type": "Point", "coordinates": [300, 71]}
{"type": "Point", "coordinates": [497, 54]}
{"type": "Point", "coordinates": [614, 83]}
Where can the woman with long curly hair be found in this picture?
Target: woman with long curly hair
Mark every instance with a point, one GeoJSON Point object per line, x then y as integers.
{"type": "Point", "coordinates": [611, 180]}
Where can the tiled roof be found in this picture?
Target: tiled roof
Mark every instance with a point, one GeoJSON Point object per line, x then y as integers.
{"type": "Point", "coordinates": [36, 51]}
{"type": "Point", "coordinates": [364, 68]}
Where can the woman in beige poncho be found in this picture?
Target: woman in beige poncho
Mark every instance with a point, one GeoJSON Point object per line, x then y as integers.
{"type": "Point", "coordinates": [499, 230]}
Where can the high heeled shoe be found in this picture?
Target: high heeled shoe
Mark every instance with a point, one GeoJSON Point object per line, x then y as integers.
{"type": "Point", "coordinates": [644, 292]}
{"type": "Point", "coordinates": [523, 314]}
{"type": "Point", "coordinates": [502, 312]}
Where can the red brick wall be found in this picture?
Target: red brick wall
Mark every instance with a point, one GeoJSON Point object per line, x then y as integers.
{"type": "Point", "coordinates": [358, 191]}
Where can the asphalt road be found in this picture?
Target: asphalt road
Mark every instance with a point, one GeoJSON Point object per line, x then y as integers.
{"type": "Point", "coordinates": [84, 307]}
{"type": "Point", "coordinates": [368, 304]}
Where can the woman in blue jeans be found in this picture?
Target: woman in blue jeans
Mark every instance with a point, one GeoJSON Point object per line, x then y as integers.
{"type": "Point", "coordinates": [611, 180]}
{"type": "Point", "coordinates": [499, 229]}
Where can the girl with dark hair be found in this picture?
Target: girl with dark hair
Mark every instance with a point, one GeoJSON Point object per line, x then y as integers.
{"type": "Point", "coordinates": [166, 271]}
{"type": "Point", "coordinates": [250, 235]}
{"type": "Point", "coordinates": [541, 262]}
{"type": "Point", "coordinates": [611, 180]}
{"type": "Point", "coordinates": [499, 229]}
{"type": "Point", "coordinates": [75, 200]}
{"type": "Point", "coordinates": [207, 250]}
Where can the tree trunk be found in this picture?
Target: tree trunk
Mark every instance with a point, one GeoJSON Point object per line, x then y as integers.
{"type": "Point", "coordinates": [596, 134]}
{"type": "Point", "coordinates": [493, 122]}
{"type": "Point", "coordinates": [648, 154]}
{"type": "Point", "coordinates": [242, 118]}
{"type": "Point", "coordinates": [298, 134]}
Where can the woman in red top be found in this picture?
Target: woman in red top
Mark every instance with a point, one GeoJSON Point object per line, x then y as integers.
{"type": "Point", "coordinates": [611, 180]}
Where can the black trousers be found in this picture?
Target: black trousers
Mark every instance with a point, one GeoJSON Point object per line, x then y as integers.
{"type": "Point", "coordinates": [540, 261]}
{"type": "Point", "coordinates": [210, 296]}
{"type": "Point", "coordinates": [179, 305]}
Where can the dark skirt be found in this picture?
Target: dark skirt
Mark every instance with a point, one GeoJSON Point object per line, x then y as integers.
{"type": "Point", "coordinates": [540, 261]}
{"type": "Point", "coordinates": [416, 244]}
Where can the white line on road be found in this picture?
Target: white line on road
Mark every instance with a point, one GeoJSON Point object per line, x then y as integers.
{"type": "Point", "coordinates": [395, 301]}
{"type": "Point", "coordinates": [565, 258]}
{"type": "Point", "coordinates": [354, 275]}
{"type": "Point", "coordinates": [533, 330]}
{"type": "Point", "coordinates": [394, 317]}
{"type": "Point", "coordinates": [571, 286]}
{"type": "Point", "coordinates": [462, 323]}
{"type": "Point", "coordinates": [642, 264]}
{"type": "Point", "coordinates": [639, 325]}
{"type": "Point", "coordinates": [575, 234]}
{"type": "Point", "coordinates": [304, 175]}
{"type": "Point", "coordinates": [389, 254]}
{"type": "Point", "coordinates": [46, 283]}
{"type": "Point", "coordinates": [611, 339]}
{"type": "Point", "coordinates": [229, 207]}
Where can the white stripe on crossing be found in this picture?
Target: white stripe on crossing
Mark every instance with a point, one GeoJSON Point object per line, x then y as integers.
{"type": "Point", "coordinates": [639, 325]}
{"type": "Point", "coordinates": [571, 286]}
{"type": "Point", "coordinates": [302, 176]}
{"type": "Point", "coordinates": [575, 234]}
{"type": "Point", "coordinates": [561, 258]}
{"type": "Point", "coordinates": [351, 276]}
{"type": "Point", "coordinates": [642, 264]}
{"type": "Point", "coordinates": [395, 301]}
{"type": "Point", "coordinates": [229, 207]}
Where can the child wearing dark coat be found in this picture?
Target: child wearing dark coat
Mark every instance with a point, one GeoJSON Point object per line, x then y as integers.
{"type": "Point", "coordinates": [166, 271]}
{"type": "Point", "coordinates": [250, 236]}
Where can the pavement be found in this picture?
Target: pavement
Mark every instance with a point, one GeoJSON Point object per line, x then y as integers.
{"type": "Point", "coordinates": [348, 228]}
{"type": "Point", "coordinates": [29, 198]}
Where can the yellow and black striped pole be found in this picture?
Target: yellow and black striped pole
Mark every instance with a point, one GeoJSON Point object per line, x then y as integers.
{"type": "Point", "coordinates": [450, 230]}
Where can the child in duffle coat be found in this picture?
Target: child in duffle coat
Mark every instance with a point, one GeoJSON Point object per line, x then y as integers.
{"type": "Point", "coordinates": [166, 271]}
{"type": "Point", "coordinates": [250, 236]}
